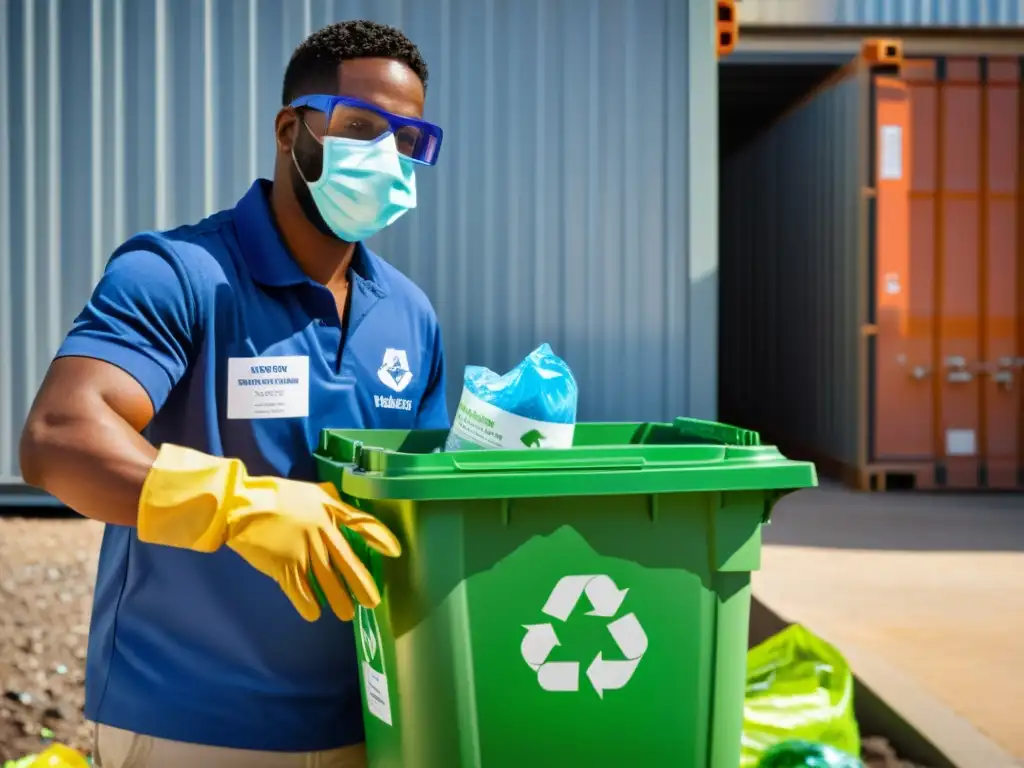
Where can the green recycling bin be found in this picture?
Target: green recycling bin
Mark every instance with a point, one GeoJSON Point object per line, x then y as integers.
{"type": "Point", "coordinates": [557, 608]}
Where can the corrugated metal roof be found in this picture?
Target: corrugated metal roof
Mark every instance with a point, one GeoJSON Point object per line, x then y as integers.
{"type": "Point", "coordinates": [575, 200]}
{"type": "Point", "coordinates": [882, 13]}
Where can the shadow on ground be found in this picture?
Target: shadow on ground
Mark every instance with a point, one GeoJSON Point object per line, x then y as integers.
{"type": "Point", "coordinates": [832, 516]}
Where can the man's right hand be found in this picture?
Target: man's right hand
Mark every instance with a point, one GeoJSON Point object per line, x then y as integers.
{"type": "Point", "coordinates": [286, 529]}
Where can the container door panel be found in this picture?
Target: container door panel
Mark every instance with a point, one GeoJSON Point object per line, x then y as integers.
{"type": "Point", "coordinates": [1001, 396]}
{"type": "Point", "coordinates": [902, 359]}
{"type": "Point", "coordinates": [960, 252]}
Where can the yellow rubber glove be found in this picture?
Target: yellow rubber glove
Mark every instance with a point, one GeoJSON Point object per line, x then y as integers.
{"type": "Point", "coordinates": [285, 529]}
{"type": "Point", "coordinates": [56, 756]}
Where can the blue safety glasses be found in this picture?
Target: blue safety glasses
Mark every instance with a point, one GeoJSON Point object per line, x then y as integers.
{"type": "Point", "coordinates": [349, 118]}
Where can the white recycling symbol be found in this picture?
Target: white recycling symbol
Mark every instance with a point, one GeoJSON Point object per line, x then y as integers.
{"type": "Point", "coordinates": [605, 599]}
{"type": "Point", "coordinates": [369, 632]}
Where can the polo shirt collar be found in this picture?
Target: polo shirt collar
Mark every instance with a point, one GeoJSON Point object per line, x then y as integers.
{"type": "Point", "coordinates": [268, 258]}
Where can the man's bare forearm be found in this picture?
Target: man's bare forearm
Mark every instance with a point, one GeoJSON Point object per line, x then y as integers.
{"type": "Point", "coordinates": [96, 465]}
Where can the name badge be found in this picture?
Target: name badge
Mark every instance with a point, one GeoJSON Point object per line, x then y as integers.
{"type": "Point", "coordinates": [268, 387]}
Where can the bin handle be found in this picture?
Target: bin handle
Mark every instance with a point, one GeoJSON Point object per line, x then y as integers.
{"type": "Point", "coordinates": [725, 434]}
{"type": "Point", "coordinates": [465, 463]}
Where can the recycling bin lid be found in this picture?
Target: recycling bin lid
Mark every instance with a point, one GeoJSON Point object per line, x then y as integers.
{"type": "Point", "coordinates": [686, 455]}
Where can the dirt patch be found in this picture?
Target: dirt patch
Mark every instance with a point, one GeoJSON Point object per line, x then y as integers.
{"type": "Point", "coordinates": [47, 572]}
{"type": "Point", "coordinates": [877, 752]}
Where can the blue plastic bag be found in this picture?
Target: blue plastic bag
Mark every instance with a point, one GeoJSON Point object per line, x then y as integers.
{"type": "Point", "coordinates": [531, 406]}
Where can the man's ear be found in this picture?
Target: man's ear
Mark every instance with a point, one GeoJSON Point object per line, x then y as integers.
{"type": "Point", "coordinates": [286, 126]}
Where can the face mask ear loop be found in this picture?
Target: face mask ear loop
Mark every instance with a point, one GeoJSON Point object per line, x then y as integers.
{"type": "Point", "coordinates": [294, 159]}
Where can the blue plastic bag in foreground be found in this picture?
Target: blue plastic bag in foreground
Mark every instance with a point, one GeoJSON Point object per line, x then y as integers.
{"type": "Point", "coordinates": [531, 406]}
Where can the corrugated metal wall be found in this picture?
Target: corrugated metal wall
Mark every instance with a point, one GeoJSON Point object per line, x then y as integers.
{"type": "Point", "coordinates": [575, 201]}
{"type": "Point", "coordinates": [790, 238]}
{"type": "Point", "coordinates": [883, 13]}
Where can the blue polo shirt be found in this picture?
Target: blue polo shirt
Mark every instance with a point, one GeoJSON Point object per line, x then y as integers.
{"type": "Point", "coordinates": [242, 356]}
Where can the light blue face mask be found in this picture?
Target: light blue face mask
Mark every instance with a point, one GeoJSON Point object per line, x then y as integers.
{"type": "Point", "coordinates": [364, 186]}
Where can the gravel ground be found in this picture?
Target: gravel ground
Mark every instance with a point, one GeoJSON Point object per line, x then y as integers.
{"type": "Point", "coordinates": [47, 570]}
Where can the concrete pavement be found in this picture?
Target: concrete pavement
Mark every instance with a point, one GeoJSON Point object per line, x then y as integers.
{"type": "Point", "coordinates": [930, 586]}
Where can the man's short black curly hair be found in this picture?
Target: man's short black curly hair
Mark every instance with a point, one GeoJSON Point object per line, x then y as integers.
{"type": "Point", "coordinates": [314, 64]}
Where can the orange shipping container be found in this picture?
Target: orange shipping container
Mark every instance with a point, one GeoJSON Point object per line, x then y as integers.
{"type": "Point", "coordinates": [948, 359]}
{"type": "Point", "coordinates": [872, 275]}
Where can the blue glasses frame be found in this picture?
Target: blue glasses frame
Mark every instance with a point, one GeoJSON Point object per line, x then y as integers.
{"type": "Point", "coordinates": [427, 148]}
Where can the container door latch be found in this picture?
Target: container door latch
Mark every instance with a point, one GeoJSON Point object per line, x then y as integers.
{"type": "Point", "coordinates": [957, 371]}
{"type": "Point", "coordinates": [1002, 372]}
{"type": "Point", "coordinates": [917, 372]}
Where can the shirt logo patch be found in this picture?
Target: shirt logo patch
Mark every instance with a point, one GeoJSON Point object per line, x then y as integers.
{"type": "Point", "coordinates": [392, 403]}
{"type": "Point", "coordinates": [394, 371]}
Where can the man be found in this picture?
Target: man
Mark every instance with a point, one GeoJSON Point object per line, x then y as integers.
{"type": "Point", "coordinates": [242, 337]}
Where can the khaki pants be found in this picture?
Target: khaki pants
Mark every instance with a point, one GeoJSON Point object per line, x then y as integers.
{"type": "Point", "coordinates": [123, 749]}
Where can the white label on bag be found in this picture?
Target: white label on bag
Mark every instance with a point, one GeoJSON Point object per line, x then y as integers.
{"type": "Point", "coordinates": [375, 684]}
{"type": "Point", "coordinates": [268, 387]}
{"type": "Point", "coordinates": [377, 699]}
{"type": "Point", "coordinates": [479, 425]}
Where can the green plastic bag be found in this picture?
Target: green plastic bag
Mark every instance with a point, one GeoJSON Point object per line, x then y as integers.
{"type": "Point", "coordinates": [804, 754]}
{"type": "Point", "coordinates": [798, 688]}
